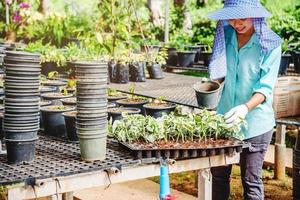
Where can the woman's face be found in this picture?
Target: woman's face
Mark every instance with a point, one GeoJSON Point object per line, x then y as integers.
{"type": "Point", "coordinates": [242, 26]}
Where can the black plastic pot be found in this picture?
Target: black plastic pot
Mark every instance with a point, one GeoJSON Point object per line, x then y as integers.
{"type": "Point", "coordinates": [70, 120]}
{"type": "Point", "coordinates": [155, 71]}
{"type": "Point", "coordinates": [137, 72]}
{"type": "Point", "coordinates": [131, 104]}
{"type": "Point", "coordinates": [112, 71]}
{"type": "Point", "coordinates": [172, 57]}
{"type": "Point", "coordinates": [69, 101]}
{"type": "Point", "coordinates": [54, 122]}
{"type": "Point", "coordinates": [115, 98]}
{"type": "Point", "coordinates": [122, 73]}
{"type": "Point", "coordinates": [186, 58]}
{"type": "Point", "coordinates": [116, 113]}
{"type": "Point", "coordinates": [296, 58]}
{"type": "Point", "coordinates": [55, 95]}
{"type": "Point", "coordinates": [206, 57]}
{"type": "Point", "coordinates": [196, 49]}
{"type": "Point", "coordinates": [208, 94]}
{"type": "Point", "coordinates": [284, 63]}
{"type": "Point", "coordinates": [42, 104]}
{"type": "Point", "coordinates": [157, 112]}
{"type": "Point", "coordinates": [48, 67]}
{"type": "Point", "coordinates": [18, 151]}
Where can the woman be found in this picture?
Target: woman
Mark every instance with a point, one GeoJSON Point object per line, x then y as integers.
{"type": "Point", "coordinates": [246, 56]}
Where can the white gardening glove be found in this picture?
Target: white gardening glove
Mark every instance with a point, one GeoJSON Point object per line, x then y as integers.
{"type": "Point", "coordinates": [236, 114]}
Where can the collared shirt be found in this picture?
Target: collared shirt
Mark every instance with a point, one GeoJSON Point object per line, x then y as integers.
{"type": "Point", "coordinates": [249, 71]}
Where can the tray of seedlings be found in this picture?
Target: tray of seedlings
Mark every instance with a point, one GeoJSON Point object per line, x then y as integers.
{"type": "Point", "coordinates": [178, 136]}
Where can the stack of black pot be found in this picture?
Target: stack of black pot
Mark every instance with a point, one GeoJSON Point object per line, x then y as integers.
{"type": "Point", "coordinates": [296, 169]}
{"type": "Point", "coordinates": [21, 105]}
{"type": "Point", "coordinates": [91, 119]}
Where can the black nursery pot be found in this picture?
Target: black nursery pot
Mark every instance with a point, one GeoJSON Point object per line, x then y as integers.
{"type": "Point", "coordinates": [112, 71]}
{"type": "Point", "coordinates": [157, 112]}
{"type": "Point", "coordinates": [70, 121]}
{"type": "Point", "coordinates": [172, 57]}
{"type": "Point", "coordinates": [155, 71]}
{"type": "Point", "coordinates": [126, 103]}
{"type": "Point", "coordinates": [186, 58]}
{"type": "Point", "coordinates": [296, 58]}
{"type": "Point", "coordinates": [284, 63]}
{"type": "Point", "coordinates": [137, 72]}
{"type": "Point", "coordinates": [20, 151]}
{"type": "Point", "coordinates": [116, 113]}
{"type": "Point", "coordinates": [206, 57]}
{"type": "Point", "coordinates": [196, 49]}
{"type": "Point", "coordinates": [48, 67]}
{"type": "Point", "coordinates": [54, 122]}
{"type": "Point", "coordinates": [122, 73]}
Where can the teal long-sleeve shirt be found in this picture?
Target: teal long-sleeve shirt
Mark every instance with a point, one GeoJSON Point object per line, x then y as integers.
{"type": "Point", "coordinates": [248, 74]}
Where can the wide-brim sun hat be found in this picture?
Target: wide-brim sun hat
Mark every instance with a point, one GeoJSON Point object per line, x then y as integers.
{"type": "Point", "coordinates": [240, 9]}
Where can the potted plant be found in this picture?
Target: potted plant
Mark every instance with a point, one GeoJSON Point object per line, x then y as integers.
{"type": "Point", "coordinates": [113, 95]}
{"type": "Point", "coordinates": [154, 63]}
{"type": "Point", "coordinates": [197, 49]}
{"type": "Point", "coordinates": [157, 107]}
{"type": "Point", "coordinates": [296, 56]}
{"type": "Point", "coordinates": [71, 85]}
{"type": "Point", "coordinates": [54, 123]}
{"type": "Point", "coordinates": [137, 68]}
{"type": "Point", "coordinates": [70, 121]}
{"type": "Point", "coordinates": [185, 57]}
{"type": "Point", "coordinates": [133, 100]}
{"type": "Point", "coordinates": [69, 101]}
{"type": "Point", "coordinates": [206, 55]}
{"type": "Point", "coordinates": [122, 69]}
{"type": "Point", "coordinates": [118, 112]}
{"type": "Point", "coordinates": [56, 95]}
{"type": "Point", "coordinates": [285, 59]}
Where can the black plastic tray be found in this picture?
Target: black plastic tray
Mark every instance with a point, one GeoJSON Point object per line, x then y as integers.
{"type": "Point", "coordinates": [139, 152]}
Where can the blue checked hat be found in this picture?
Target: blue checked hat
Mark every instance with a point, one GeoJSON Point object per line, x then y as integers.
{"type": "Point", "coordinates": [240, 9]}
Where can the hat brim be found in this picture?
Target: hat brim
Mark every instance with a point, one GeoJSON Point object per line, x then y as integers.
{"type": "Point", "coordinates": [239, 13]}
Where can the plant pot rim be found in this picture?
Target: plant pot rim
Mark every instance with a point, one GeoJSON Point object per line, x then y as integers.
{"type": "Point", "coordinates": [89, 63]}
{"type": "Point", "coordinates": [128, 109]}
{"type": "Point", "coordinates": [22, 53]}
{"type": "Point", "coordinates": [210, 82]}
{"type": "Point", "coordinates": [171, 105]}
{"type": "Point", "coordinates": [186, 52]}
{"type": "Point", "coordinates": [66, 109]}
{"type": "Point", "coordinates": [122, 101]}
{"type": "Point", "coordinates": [70, 114]}
{"type": "Point", "coordinates": [48, 95]}
{"type": "Point", "coordinates": [46, 103]}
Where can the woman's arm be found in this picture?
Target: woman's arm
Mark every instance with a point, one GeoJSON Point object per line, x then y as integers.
{"type": "Point", "coordinates": [255, 100]}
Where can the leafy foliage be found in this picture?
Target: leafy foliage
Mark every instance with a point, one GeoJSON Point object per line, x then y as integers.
{"type": "Point", "coordinates": [193, 127]}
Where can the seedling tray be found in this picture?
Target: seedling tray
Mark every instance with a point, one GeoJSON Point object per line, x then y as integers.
{"type": "Point", "coordinates": [181, 151]}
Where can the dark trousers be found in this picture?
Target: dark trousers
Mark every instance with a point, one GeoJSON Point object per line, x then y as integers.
{"type": "Point", "coordinates": [251, 162]}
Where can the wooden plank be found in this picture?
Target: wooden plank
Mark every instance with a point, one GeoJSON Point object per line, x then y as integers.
{"type": "Point", "coordinates": [71, 183]}
{"type": "Point", "coordinates": [204, 184]}
{"type": "Point", "coordinates": [280, 152]}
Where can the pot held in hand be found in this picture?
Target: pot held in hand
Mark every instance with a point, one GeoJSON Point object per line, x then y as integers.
{"type": "Point", "coordinates": [208, 93]}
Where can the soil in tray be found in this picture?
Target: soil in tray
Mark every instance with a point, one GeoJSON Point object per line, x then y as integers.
{"type": "Point", "coordinates": [184, 145]}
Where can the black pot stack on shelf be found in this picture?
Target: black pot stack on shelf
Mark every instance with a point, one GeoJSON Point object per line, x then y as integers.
{"type": "Point", "coordinates": [91, 119]}
{"type": "Point", "coordinates": [296, 169]}
{"type": "Point", "coordinates": [21, 105]}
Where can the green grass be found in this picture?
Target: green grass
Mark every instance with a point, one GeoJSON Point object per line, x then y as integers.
{"type": "Point", "coordinates": [193, 73]}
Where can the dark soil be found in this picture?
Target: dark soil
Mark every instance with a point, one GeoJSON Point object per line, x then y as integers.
{"type": "Point", "coordinates": [184, 145]}
{"type": "Point", "coordinates": [274, 190]}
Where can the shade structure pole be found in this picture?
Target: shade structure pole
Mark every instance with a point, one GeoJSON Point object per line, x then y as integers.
{"type": "Point", "coordinates": [167, 10]}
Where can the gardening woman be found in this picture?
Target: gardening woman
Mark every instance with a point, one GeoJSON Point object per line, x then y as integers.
{"type": "Point", "coordinates": [246, 58]}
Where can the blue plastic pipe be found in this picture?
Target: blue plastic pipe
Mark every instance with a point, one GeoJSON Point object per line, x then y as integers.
{"type": "Point", "coordinates": [164, 182]}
